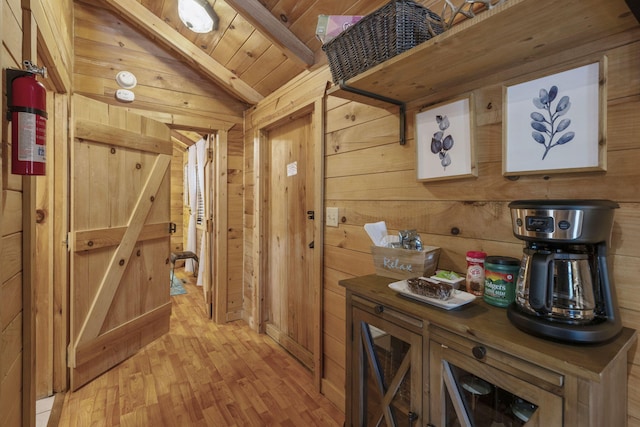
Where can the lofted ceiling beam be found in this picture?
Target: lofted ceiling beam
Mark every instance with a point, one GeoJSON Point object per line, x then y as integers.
{"type": "Point", "coordinates": [270, 27]}
{"type": "Point", "coordinates": [160, 31]}
{"type": "Point", "coordinates": [185, 140]}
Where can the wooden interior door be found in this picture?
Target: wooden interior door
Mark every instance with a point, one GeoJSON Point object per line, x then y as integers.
{"type": "Point", "coordinates": [289, 288]}
{"type": "Point", "coordinates": [120, 241]}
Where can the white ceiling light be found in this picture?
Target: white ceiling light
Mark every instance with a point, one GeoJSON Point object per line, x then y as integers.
{"type": "Point", "coordinates": [198, 15]}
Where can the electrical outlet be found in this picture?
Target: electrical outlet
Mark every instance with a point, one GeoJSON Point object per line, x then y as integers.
{"type": "Point", "coordinates": [332, 217]}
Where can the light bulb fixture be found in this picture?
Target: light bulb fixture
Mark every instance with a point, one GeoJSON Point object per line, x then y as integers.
{"type": "Point", "coordinates": [198, 15]}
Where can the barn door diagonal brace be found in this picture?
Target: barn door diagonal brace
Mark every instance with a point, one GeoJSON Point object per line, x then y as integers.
{"type": "Point", "coordinates": [402, 105]}
{"type": "Point", "coordinates": [118, 263]}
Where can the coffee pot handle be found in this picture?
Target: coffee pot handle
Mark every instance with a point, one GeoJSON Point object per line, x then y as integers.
{"type": "Point", "coordinates": [541, 282]}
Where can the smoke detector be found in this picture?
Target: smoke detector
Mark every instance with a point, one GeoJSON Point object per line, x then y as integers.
{"type": "Point", "coordinates": [126, 80]}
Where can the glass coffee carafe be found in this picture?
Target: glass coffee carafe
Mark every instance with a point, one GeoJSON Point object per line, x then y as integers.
{"type": "Point", "coordinates": [556, 284]}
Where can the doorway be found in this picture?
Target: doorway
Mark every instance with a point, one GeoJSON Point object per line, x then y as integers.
{"type": "Point", "coordinates": [289, 292]}
{"type": "Point", "coordinates": [288, 153]}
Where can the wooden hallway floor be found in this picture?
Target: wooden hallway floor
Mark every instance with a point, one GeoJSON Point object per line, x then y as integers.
{"type": "Point", "coordinates": [202, 374]}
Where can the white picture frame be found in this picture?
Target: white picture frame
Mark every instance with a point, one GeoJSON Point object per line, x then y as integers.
{"type": "Point", "coordinates": [556, 123]}
{"type": "Point", "coordinates": [444, 135]}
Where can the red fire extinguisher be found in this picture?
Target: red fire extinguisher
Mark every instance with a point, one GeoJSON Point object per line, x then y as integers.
{"type": "Point", "coordinates": [26, 109]}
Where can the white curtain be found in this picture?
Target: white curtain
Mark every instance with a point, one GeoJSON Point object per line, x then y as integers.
{"type": "Point", "coordinates": [193, 206]}
{"type": "Point", "coordinates": [201, 148]}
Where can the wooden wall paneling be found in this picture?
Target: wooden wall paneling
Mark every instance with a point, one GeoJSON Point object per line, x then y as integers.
{"type": "Point", "coordinates": [177, 198]}
{"type": "Point", "coordinates": [12, 302]}
{"type": "Point", "coordinates": [235, 190]}
{"type": "Point", "coordinates": [93, 22]}
{"type": "Point", "coordinates": [10, 392]}
{"type": "Point", "coordinates": [12, 33]}
{"type": "Point", "coordinates": [164, 83]}
{"type": "Point", "coordinates": [334, 336]}
{"type": "Point", "coordinates": [12, 344]}
{"type": "Point", "coordinates": [53, 20]}
{"type": "Point", "coordinates": [631, 318]}
{"type": "Point", "coordinates": [164, 35]}
{"type": "Point", "coordinates": [11, 211]}
{"type": "Point", "coordinates": [348, 114]}
{"type": "Point", "coordinates": [10, 240]}
{"type": "Point", "coordinates": [301, 91]}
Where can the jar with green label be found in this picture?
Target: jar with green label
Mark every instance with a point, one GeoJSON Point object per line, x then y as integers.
{"type": "Point", "coordinates": [500, 278]}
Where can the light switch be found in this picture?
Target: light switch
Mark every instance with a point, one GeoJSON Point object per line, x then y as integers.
{"type": "Point", "coordinates": [332, 217]}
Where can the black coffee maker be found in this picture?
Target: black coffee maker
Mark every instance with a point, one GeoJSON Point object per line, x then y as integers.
{"type": "Point", "coordinates": [564, 290]}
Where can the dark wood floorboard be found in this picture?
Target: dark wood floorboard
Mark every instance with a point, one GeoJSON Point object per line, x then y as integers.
{"type": "Point", "coordinates": [202, 374]}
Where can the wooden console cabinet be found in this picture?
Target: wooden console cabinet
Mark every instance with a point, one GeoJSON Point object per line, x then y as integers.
{"type": "Point", "coordinates": [405, 356]}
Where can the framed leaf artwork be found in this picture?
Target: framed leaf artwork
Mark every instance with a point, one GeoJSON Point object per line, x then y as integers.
{"type": "Point", "coordinates": [556, 123]}
{"type": "Point", "coordinates": [444, 141]}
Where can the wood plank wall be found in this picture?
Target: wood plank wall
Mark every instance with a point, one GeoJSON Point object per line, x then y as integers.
{"type": "Point", "coordinates": [52, 20]}
{"type": "Point", "coordinates": [11, 297]}
{"type": "Point", "coordinates": [235, 202]}
{"type": "Point", "coordinates": [177, 198]}
{"type": "Point", "coordinates": [370, 177]}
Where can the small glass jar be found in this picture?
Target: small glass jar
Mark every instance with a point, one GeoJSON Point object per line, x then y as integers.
{"type": "Point", "coordinates": [475, 272]}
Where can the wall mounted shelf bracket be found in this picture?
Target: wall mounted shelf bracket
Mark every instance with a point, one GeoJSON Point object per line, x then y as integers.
{"type": "Point", "coordinates": [403, 106]}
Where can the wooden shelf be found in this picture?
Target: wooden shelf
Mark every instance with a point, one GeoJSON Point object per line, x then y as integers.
{"type": "Point", "coordinates": [480, 49]}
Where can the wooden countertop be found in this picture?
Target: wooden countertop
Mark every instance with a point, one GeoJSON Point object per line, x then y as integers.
{"type": "Point", "coordinates": [489, 325]}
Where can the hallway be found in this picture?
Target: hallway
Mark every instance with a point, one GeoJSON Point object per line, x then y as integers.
{"type": "Point", "coordinates": [202, 374]}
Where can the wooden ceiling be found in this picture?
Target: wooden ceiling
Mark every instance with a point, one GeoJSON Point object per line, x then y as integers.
{"type": "Point", "coordinates": [259, 45]}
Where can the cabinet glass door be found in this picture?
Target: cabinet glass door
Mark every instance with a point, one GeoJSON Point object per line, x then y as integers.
{"type": "Point", "coordinates": [473, 394]}
{"type": "Point", "coordinates": [480, 403]}
{"type": "Point", "coordinates": [388, 360]}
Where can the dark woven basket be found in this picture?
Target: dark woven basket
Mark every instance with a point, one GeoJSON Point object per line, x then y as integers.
{"type": "Point", "coordinates": [385, 33]}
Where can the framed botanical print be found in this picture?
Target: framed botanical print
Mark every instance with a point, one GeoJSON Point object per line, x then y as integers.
{"type": "Point", "coordinates": [444, 141]}
{"type": "Point", "coordinates": [556, 123]}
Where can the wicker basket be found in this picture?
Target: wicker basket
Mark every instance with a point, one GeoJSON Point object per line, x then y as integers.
{"type": "Point", "coordinates": [385, 33]}
{"type": "Point", "coordinates": [405, 263]}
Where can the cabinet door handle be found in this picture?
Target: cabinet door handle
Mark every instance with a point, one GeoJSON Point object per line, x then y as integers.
{"type": "Point", "coordinates": [412, 417]}
{"type": "Point", "coordinates": [479, 352]}
{"type": "Point", "coordinates": [379, 308]}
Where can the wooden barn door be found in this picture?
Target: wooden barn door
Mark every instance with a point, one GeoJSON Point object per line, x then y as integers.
{"type": "Point", "coordinates": [289, 288]}
{"type": "Point", "coordinates": [120, 202]}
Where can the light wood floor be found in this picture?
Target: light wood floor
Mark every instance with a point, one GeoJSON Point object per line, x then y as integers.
{"type": "Point", "coordinates": [202, 374]}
